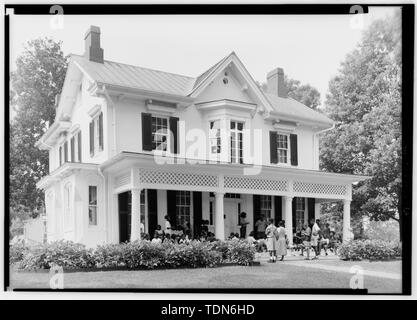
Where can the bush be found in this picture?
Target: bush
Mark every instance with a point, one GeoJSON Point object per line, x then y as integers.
{"type": "Point", "coordinates": [17, 252]}
{"type": "Point", "coordinates": [135, 255]}
{"type": "Point", "coordinates": [369, 249]}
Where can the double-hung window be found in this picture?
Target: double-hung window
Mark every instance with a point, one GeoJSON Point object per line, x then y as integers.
{"type": "Point", "coordinates": [160, 133]}
{"type": "Point", "coordinates": [76, 147]}
{"type": "Point", "coordinates": [96, 135]}
{"type": "Point", "coordinates": [183, 207]}
{"type": "Point", "coordinates": [282, 148]}
{"type": "Point", "coordinates": [215, 138]}
{"type": "Point", "coordinates": [92, 205]}
{"type": "Point", "coordinates": [300, 207]}
{"type": "Point", "coordinates": [266, 206]}
{"type": "Point", "coordinates": [236, 142]}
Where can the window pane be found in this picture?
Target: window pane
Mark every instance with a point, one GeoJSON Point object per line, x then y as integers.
{"type": "Point", "coordinates": [92, 215]}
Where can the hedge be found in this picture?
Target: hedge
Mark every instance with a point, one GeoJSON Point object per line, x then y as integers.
{"type": "Point", "coordinates": [369, 249]}
{"type": "Point", "coordinates": [132, 255]}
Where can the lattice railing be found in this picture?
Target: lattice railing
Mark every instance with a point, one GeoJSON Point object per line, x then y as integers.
{"type": "Point", "coordinates": [122, 180]}
{"type": "Point", "coordinates": [255, 184]}
{"type": "Point", "coordinates": [320, 188]}
{"type": "Point", "coordinates": [178, 178]}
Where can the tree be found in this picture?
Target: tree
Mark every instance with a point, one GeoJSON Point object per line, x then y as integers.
{"type": "Point", "coordinates": [303, 93]}
{"type": "Point", "coordinates": [365, 101]}
{"type": "Point", "coordinates": [38, 78]}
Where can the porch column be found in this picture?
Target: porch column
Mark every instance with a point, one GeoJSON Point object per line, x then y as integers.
{"type": "Point", "coordinates": [317, 210]}
{"type": "Point", "coordinates": [135, 223]}
{"type": "Point", "coordinates": [346, 220]}
{"type": "Point", "coordinates": [288, 218]}
{"type": "Point", "coordinates": [219, 220]}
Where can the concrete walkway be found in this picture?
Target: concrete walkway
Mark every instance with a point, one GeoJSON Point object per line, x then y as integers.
{"type": "Point", "coordinates": [296, 260]}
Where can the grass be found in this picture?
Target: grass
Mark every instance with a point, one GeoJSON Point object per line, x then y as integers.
{"type": "Point", "coordinates": [278, 275]}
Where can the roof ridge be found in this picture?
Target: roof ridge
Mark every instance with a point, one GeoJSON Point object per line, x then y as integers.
{"type": "Point", "coordinates": [143, 68]}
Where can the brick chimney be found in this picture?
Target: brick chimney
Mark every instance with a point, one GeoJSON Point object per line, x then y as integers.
{"type": "Point", "coordinates": [275, 83]}
{"type": "Point", "coordinates": [93, 52]}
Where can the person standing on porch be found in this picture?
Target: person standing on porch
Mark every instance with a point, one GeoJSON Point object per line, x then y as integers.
{"type": "Point", "coordinates": [282, 241]}
{"type": "Point", "coordinates": [315, 234]}
{"type": "Point", "coordinates": [261, 225]}
{"type": "Point", "coordinates": [271, 244]}
{"type": "Point", "coordinates": [167, 225]}
{"type": "Point", "coordinates": [243, 223]}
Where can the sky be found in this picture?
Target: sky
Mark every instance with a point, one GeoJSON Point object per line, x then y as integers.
{"type": "Point", "coordinates": [308, 48]}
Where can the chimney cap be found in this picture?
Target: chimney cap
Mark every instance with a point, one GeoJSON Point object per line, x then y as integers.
{"type": "Point", "coordinates": [92, 28]}
{"type": "Point", "coordinates": [275, 72]}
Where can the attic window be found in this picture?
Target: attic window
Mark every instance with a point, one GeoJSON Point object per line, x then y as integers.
{"type": "Point", "coordinates": [225, 80]}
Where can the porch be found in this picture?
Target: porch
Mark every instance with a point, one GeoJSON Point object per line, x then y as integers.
{"type": "Point", "coordinates": [205, 190]}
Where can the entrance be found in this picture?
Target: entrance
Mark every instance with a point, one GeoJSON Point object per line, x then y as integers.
{"type": "Point", "coordinates": [125, 216]}
{"type": "Point", "coordinates": [232, 209]}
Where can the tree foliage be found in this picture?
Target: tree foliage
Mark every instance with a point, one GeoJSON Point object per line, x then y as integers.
{"type": "Point", "coordinates": [365, 101]}
{"type": "Point", "coordinates": [38, 78]}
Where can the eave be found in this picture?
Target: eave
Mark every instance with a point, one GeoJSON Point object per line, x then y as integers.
{"type": "Point", "coordinates": [52, 134]}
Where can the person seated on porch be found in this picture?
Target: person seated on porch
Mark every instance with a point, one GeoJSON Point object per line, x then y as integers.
{"type": "Point", "coordinates": [211, 237]}
{"type": "Point", "coordinates": [251, 239]}
{"type": "Point", "coordinates": [203, 236]}
{"type": "Point", "coordinates": [146, 237]}
{"type": "Point", "coordinates": [167, 225]}
{"type": "Point", "coordinates": [297, 239]}
{"type": "Point", "coordinates": [159, 231]}
{"type": "Point", "coordinates": [333, 242]}
{"type": "Point", "coordinates": [167, 239]}
{"type": "Point", "coordinates": [261, 225]}
{"type": "Point", "coordinates": [243, 223]}
{"type": "Point", "coordinates": [233, 236]}
{"type": "Point", "coordinates": [156, 239]}
{"type": "Point", "coordinates": [204, 226]}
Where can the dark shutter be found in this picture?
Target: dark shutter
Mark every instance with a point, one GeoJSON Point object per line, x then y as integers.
{"type": "Point", "coordinates": [92, 138]}
{"type": "Point", "coordinates": [172, 206]}
{"type": "Point", "coordinates": [311, 208]}
{"type": "Point", "coordinates": [256, 209]}
{"type": "Point", "coordinates": [173, 126]}
{"type": "Point", "coordinates": [72, 149]}
{"type": "Point", "coordinates": [100, 132]}
{"type": "Point", "coordinates": [273, 146]}
{"type": "Point", "coordinates": [60, 155]}
{"type": "Point", "coordinates": [294, 150]}
{"type": "Point", "coordinates": [198, 212]}
{"type": "Point", "coordinates": [152, 211]}
{"type": "Point", "coordinates": [66, 151]}
{"type": "Point", "coordinates": [79, 147]}
{"type": "Point", "coordinates": [294, 207]}
{"type": "Point", "coordinates": [278, 209]}
{"type": "Point", "coordinates": [146, 131]}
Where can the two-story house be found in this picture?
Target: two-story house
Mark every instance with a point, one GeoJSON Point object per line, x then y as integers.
{"type": "Point", "coordinates": [130, 145]}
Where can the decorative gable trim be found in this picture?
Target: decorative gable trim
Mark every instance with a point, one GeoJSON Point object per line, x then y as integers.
{"type": "Point", "coordinates": [94, 111]}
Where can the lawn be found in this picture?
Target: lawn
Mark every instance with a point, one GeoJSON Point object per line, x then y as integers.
{"type": "Point", "coordinates": [293, 273]}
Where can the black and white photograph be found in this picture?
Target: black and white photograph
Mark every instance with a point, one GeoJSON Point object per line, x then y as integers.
{"type": "Point", "coordinates": [209, 149]}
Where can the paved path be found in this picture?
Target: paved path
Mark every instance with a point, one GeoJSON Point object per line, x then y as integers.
{"type": "Point", "coordinates": [297, 260]}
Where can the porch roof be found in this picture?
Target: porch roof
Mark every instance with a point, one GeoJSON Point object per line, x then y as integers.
{"type": "Point", "coordinates": [126, 159]}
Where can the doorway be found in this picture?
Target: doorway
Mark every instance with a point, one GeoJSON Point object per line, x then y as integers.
{"type": "Point", "coordinates": [232, 209]}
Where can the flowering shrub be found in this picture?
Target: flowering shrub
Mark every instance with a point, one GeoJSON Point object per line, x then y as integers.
{"type": "Point", "coordinates": [136, 255]}
{"type": "Point", "coordinates": [369, 249]}
{"type": "Point", "coordinates": [17, 252]}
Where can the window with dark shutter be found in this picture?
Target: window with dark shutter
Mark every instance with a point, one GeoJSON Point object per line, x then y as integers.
{"type": "Point", "coordinates": [72, 149]}
{"type": "Point", "coordinates": [146, 131]}
{"type": "Point", "coordinates": [273, 146]}
{"type": "Point", "coordinates": [173, 127]}
{"type": "Point", "coordinates": [294, 149]}
{"type": "Point", "coordinates": [65, 151]}
{"type": "Point", "coordinates": [79, 147]}
{"type": "Point", "coordinates": [100, 132]}
{"type": "Point", "coordinates": [92, 138]}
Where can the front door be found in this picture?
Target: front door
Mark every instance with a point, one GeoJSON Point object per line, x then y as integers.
{"type": "Point", "coordinates": [232, 209]}
{"type": "Point", "coordinates": [125, 216]}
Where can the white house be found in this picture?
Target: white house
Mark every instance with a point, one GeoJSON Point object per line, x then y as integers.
{"type": "Point", "coordinates": [131, 144]}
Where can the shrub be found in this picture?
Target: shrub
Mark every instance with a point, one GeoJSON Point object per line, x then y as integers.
{"type": "Point", "coordinates": [369, 249]}
{"type": "Point", "coordinates": [134, 255]}
{"type": "Point", "coordinates": [17, 252]}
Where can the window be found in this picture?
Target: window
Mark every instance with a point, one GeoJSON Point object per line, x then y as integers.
{"type": "Point", "coordinates": [282, 148]}
{"type": "Point", "coordinates": [76, 147]}
{"type": "Point", "coordinates": [300, 207]}
{"type": "Point", "coordinates": [143, 208]}
{"type": "Point", "coordinates": [67, 206]}
{"type": "Point", "coordinates": [61, 155]}
{"type": "Point", "coordinates": [211, 221]}
{"type": "Point", "coordinates": [183, 207]}
{"type": "Point", "coordinates": [236, 142]}
{"type": "Point", "coordinates": [159, 133]}
{"type": "Point", "coordinates": [214, 136]}
{"type": "Point", "coordinates": [232, 195]}
{"type": "Point", "coordinates": [96, 135]}
{"type": "Point", "coordinates": [92, 205]}
{"type": "Point", "coordinates": [266, 206]}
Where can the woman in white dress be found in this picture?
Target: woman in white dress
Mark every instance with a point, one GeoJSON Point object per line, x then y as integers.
{"type": "Point", "coordinates": [271, 243]}
{"type": "Point", "coordinates": [282, 241]}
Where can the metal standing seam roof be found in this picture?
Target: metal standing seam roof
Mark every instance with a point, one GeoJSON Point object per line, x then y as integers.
{"type": "Point", "coordinates": [124, 75]}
